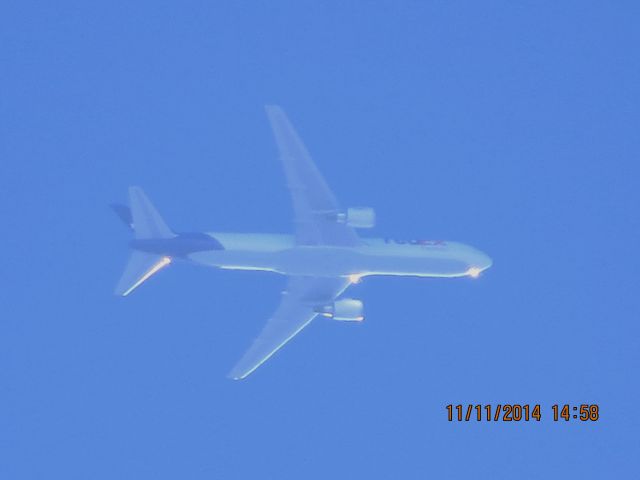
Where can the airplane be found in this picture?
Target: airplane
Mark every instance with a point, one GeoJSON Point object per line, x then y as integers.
{"type": "Point", "coordinates": [321, 259]}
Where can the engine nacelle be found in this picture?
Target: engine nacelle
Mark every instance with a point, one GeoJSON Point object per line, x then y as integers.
{"type": "Point", "coordinates": [358, 217]}
{"type": "Point", "coordinates": [345, 310]}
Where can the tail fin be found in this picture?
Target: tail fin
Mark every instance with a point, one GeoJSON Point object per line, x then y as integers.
{"type": "Point", "coordinates": [146, 223]}
{"type": "Point", "coordinates": [124, 213]}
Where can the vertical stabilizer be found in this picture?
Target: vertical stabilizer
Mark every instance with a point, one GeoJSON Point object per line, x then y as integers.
{"type": "Point", "coordinates": [147, 222]}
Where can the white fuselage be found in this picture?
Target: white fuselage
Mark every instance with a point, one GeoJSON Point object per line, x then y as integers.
{"type": "Point", "coordinates": [375, 256]}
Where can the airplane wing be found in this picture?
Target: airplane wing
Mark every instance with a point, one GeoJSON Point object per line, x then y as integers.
{"type": "Point", "coordinates": [314, 205]}
{"type": "Point", "coordinates": [315, 210]}
{"type": "Point", "coordinates": [295, 312]}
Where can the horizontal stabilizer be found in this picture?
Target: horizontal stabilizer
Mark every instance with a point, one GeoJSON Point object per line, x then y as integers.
{"type": "Point", "coordinates": [140, 268]}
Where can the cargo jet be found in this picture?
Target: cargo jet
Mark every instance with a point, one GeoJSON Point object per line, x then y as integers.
{"type": "Point", "coordinates": [321, 258]}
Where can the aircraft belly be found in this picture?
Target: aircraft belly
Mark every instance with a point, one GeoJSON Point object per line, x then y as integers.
{"type": "Point", "coordinates": [304, 261]}
{"type": "Point", "coordinates": [332, 262]}
{"type": "Point", "coordinates": [318, 261]}
{"type": "Point", "coordinates": [237, 259]}
{"type": "Point", "coordinates": [415, 266]}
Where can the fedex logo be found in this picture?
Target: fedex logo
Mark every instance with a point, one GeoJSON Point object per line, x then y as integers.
{"type": "Point", "coordinates": [429, 243]}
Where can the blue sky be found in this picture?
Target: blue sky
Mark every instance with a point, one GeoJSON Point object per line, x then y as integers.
{"type": "Point", "coordinates": [512, 126]}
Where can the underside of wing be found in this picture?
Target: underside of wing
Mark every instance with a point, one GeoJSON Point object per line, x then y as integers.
{"type": "Point", "coordinates": [296, 310]}
{"type": "Point", "coordinates": [315, 206]}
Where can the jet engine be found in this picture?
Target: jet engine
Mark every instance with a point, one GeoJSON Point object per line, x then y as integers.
{"type": "Point", "coordinates": [345, 310]}
{"type": "Point", "coordinates": [358, 217]}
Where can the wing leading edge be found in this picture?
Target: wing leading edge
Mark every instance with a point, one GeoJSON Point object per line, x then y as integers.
{"type": "Point", "coordinates": [314, 204]}
{"type": "Point", "coordinates": [296, 311]}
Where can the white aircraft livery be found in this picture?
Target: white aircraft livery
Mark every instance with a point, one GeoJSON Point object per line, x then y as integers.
{"type": "Point", "coordinates": [321, 258]}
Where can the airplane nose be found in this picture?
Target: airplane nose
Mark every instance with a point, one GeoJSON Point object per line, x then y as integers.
{"type": "Point", "coordinates": [478, 262]}
{"type": "Point", "coordinates": [484, 261]}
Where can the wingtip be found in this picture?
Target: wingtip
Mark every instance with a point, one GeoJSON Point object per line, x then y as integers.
{"type": "Point", "coordinates": [121, 291]}
{"type": "Point", "coordinates": [272, 108]}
